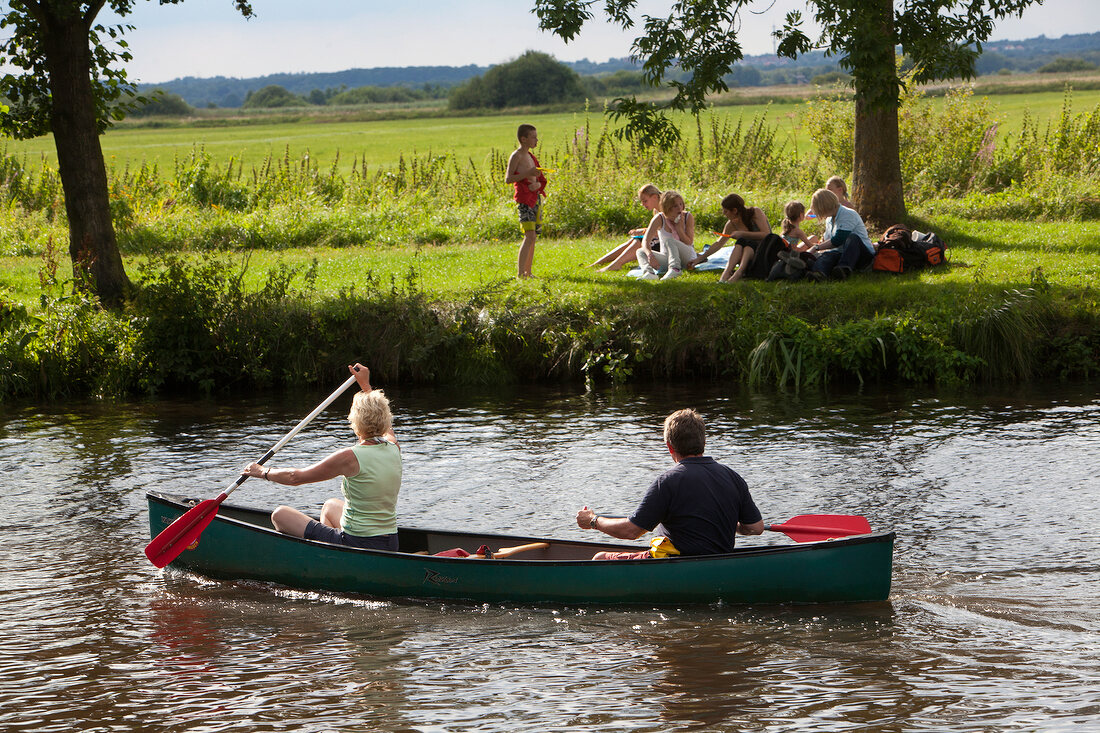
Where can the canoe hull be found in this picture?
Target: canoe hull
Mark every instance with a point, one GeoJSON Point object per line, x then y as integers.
{"type": "Point", "coordinates": [240, 544]}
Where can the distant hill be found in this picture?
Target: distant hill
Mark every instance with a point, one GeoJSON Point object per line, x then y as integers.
{"type": "Point", "coordinates": [766, 69]}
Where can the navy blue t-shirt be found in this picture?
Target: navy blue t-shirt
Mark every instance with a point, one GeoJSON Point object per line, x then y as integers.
{"type": "Point", "coordinates": [700, 502]}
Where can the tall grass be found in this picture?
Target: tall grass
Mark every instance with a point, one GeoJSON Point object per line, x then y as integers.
{"type": "Point", "coordinates": [951, 164]}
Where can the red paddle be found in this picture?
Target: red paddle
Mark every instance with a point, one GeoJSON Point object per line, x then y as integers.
{"type": "Point", "coordinates": [817, 527]}
{"type": "Point", "coordinates": [185, 531]}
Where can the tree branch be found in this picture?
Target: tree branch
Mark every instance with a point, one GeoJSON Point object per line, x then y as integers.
{"type": "Point", "coordinates": [93, 10]}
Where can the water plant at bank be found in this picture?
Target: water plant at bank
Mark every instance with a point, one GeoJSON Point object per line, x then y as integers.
{"type": "Point", "coordinates": [195, 327]}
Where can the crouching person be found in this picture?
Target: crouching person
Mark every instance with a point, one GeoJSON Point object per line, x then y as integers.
{"type": "Point", "coordinates": [701, 504]}
{"type": "Point", "coordinates": [845, 247]}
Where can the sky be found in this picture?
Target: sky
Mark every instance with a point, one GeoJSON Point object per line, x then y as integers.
{"type": "Point", "coordinates": [207, 38]}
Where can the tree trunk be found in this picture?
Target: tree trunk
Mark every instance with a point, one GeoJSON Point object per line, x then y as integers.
{"type": "Point", "coordinates": [97, 263]}
{"type": "Point", "coordinates": [876, 172]}
{"type": "Point", "coordinates": [876, 169]}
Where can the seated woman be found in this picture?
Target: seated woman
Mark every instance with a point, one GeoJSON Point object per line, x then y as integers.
{"type": "Point", "coordinates": [675, 228]}
{"type": "Point", "coordinates": [845, 247]}
{"type": "Point", "coordinates": [366, 516]}
{"type": "Point", "coordinates": [747, 226]}
{"type": "Point", "coordinates": [650, 197]}
{"type": "Point", "coordinates": [837, 185]}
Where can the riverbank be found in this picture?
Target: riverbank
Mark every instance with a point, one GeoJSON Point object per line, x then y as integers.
{"type": "Point", "coordinates": [1016, 304]}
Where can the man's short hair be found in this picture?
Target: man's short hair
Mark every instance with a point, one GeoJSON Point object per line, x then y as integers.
{"type": "Point", "coordinates": [523, 131]}
{"type": "Point", "coordinates": [686, 432]}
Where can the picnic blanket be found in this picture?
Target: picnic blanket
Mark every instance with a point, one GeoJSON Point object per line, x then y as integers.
{"type": "Point", "coordinates": [716, 261]}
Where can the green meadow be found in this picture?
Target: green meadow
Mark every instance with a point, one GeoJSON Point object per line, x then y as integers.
{"type": "Point", "coordinates": [381, 143]}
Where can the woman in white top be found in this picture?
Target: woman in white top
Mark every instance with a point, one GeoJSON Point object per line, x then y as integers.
{"type": "Point", "coordinates": [675, 229]}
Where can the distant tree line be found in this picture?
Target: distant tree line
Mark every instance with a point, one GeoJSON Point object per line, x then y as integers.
{"type": "Point", "coordinates": [536, 78]}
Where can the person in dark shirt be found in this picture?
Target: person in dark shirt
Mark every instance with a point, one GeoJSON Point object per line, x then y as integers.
{"type": "Point", "coordinates": [701, 504]}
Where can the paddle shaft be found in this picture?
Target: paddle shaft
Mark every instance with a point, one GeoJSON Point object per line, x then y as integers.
{"type": "Point", "coordinates": [185, 531]}
{"type": "Point", "coordinates": [294, 431]}
{"type": "Point", "coordinates": [814, 527]}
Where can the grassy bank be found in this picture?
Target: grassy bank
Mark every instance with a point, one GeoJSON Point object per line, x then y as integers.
{"type": "Point", "coordinates": [1015, 303]}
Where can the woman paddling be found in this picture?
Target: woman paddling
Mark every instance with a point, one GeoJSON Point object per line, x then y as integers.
{"type": "Point", "coordinates": [366, 516]}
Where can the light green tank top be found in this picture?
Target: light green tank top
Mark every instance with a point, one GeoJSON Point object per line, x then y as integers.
{"type": "Point", "coordinates": [370, 496]}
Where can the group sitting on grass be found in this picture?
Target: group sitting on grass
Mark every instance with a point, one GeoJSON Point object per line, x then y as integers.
{"type": "Point", "coordinates": [665, 248]}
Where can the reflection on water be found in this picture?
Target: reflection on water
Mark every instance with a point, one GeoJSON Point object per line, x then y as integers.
{"type": "Point", "coordinates": [991, 623]}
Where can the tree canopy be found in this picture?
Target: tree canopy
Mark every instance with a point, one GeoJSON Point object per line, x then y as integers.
{"type": "Point", "coordinates": [272, 96]}
{"type": "Point", "coordinates": [68, 78]}
{"type": "Point", "coordinates": [533, 78]}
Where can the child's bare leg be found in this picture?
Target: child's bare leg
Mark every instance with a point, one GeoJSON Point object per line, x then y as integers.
{"type": "Point", "coordinates": [526, 254]}
{"type": "Point", "coordinates": [747, 253]}
{"type": "Point", "coordinates": [735, 257]}
{"type": "Point", "coordinates": [629, 253]}
{"type": "Point", "coordinates": [612, 255]}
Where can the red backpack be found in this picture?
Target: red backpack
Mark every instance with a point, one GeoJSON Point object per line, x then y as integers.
{"type": "Point", "coordinates": [902, 250]}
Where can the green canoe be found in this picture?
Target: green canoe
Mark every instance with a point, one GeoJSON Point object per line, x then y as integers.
{"type": "Point", "coordinates": [241, 544]}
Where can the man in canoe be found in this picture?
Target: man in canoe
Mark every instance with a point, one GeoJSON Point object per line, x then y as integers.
{"type": "Point", "coordinates": [702, 504]}
{"type": "Point", "coordinates": [367, 515]}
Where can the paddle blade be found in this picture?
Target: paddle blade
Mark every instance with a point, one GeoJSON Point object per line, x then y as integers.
{"type": "Point", "coordinates": [818, 527]}
{"type": "Point", "coordinates": [183, 532]}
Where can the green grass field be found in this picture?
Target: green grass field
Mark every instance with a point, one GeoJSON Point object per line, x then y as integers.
{"type": "Point", "coordinates": [381, 143]}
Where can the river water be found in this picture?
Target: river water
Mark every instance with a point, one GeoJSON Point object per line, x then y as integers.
{"type": "Point", "coordinates": [991, 625]}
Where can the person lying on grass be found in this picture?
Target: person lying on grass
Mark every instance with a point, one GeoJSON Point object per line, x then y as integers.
{"type": "Point", "coordinates": [701, 504]}
{"type": "Point", "coordinates": [650, 197]}
{"type": "Point", "coordinates": [366, 516]}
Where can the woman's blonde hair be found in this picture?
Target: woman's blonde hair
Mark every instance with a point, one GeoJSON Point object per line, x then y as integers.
{"type": "Point", "coordinates": [370, 414]}
{"type": "Point", "coordinates": [825, 203]}
{"type": "Point", "coordinates": [648, 190]}
{"type": "Point", "coordinates": [668, 199]}
{"type": "Point", "coordinates": [792, 212]}
{"type": "Point", "coordinates": [838, 182]}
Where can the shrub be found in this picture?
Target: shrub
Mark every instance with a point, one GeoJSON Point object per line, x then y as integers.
{"type": "Point", "coordinates": [532, 79]}
{"type": "Point", "coordinates": [1064, 65]}
{"type": "Point", "coordinates": [272, 96]}
{"type": "Point", "coordinates": [162, 103]}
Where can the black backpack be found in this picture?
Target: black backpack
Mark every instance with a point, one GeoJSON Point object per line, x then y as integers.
{"type": "Point", "coordinates": [767, 254]}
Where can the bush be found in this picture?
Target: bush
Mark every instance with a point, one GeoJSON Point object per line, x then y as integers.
{"type": "Point", "coordinates": [1067, 65]}
{"type": "Point", "coordinates": [272, 96]}
{"type": "Point", "coordinates": [378, 95]}
{"type": "Point", "coordinates": [532, 79]}
{"type": "Point", "coordinates": [163, 104]}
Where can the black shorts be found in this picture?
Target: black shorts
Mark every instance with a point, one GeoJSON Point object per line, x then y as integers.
{"type": "Point", "coordinates": [323, 533]}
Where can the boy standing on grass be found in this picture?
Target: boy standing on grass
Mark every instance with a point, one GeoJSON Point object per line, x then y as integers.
{"type": "Point", "coordinates": [530, 183]}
